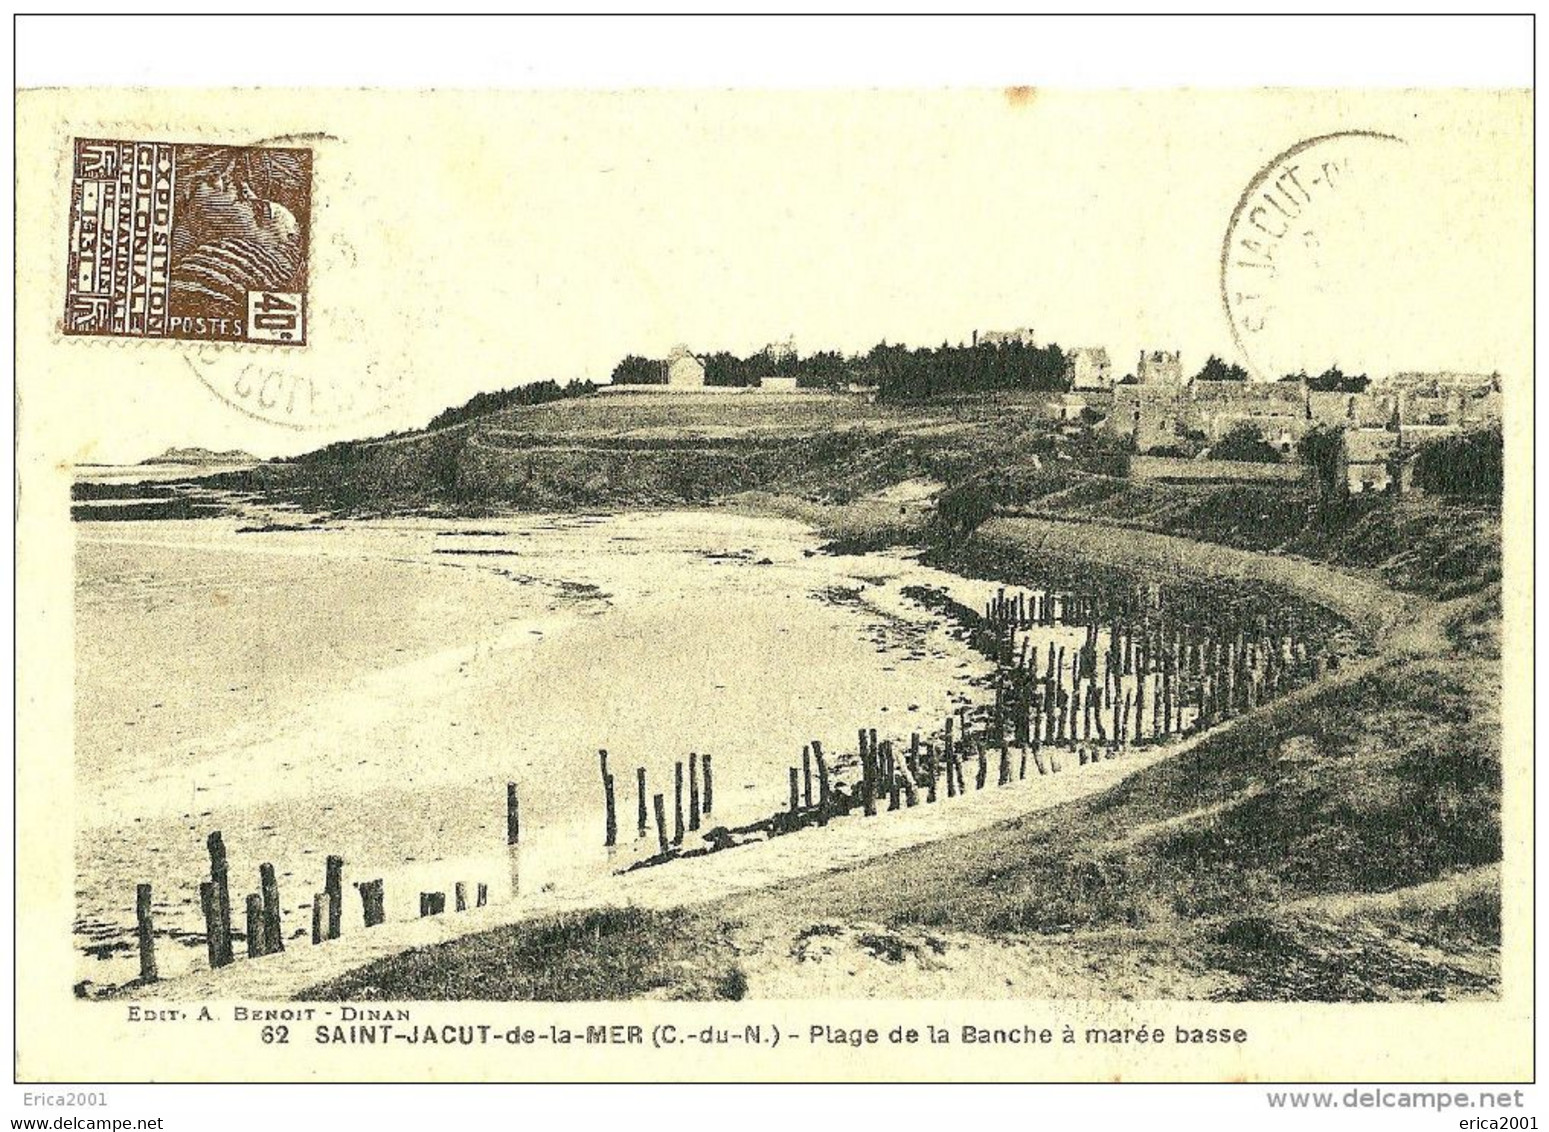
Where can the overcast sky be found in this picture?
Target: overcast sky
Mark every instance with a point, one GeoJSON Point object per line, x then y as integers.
{"type": "Point", "coordinates": [467, 242]}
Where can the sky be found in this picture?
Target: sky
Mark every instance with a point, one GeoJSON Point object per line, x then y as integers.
{"type": "Point", "coordinates": [469, 241]}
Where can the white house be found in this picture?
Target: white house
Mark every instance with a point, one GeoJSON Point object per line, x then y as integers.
{"type": "Point", "coordinates": [684, 370]}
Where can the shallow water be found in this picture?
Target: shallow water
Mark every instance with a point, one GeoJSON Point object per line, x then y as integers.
{"type": "Point", "coordinates": [369, 690]}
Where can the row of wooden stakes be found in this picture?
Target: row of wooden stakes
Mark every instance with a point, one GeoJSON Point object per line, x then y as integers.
{"type": "Point", "coordinates": [919, 772]}
{"type": "Point", "coordinates": [264, 934]}
{"type": "Point", "coordinates": [700, 802]}
{"type": "Point", "coordinates": [1158, 686]}
{"type": "Point", "coordinates": [1024, 610]}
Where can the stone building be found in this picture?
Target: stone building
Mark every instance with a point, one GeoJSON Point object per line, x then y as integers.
{"type": "Point", "coordinates": [1352, 410]}
{"type": "Point", "coordinates": [1088, 368]}
{"type": "Point", "coordinates": [1445, 401]}
{"type": "Point", "coordinates": [1160, 367]}
{"type": "Point", "coordinates": [781, 351]}
{"type": "Point", "coordinates": [1368, 459]}
{"type": "Point", "coordinates": [1151, 417]}
{"type": "Point", "coordinates": [1067, 406]}
{"type": "Point", "coordinates": [1276, 410]}
{"type": "Point", "coordinates": [1021, 336]}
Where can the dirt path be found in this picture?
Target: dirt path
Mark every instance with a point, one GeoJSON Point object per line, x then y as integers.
{"type": "Point", "coordinates": [1358, 597]}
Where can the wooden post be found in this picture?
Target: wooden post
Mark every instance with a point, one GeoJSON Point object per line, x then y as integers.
{"type": "Point", "coordinates": [709, 799]}
{"type": "Point", "coordinates": [218, 877]}
{"type": "Point", "coordinates": [513, 816]}
{"type": "Point", "coordinates": [642, 818]}
{"type": "Point", "coordinates": [255, 926]}
{"type": "Point", "coordinates": [320, 917]}
{"type": "Point", "coordinates": [930, 772]}
{"type": "Point", "coordinates": [334, 886]}
{"type": "Point", "coordinates": [890, 775]}
{"type": "Point", "coordinates": [610, 821]}
{"type": "Point", "coordinates": [693, 791]}
{"type": "Point", "coordinates": [951, 761]}
{"type": "Point", "coordinates": [868, 779]}
{"type": "Point", "coordinates": [372, 902]}
{"type": "Point", "coordinates": [145, 933]}
{"type": "Point", "coordinates": [795, 791]}
{"type": "Point", "coordinates": [677, 804]}
{"type": "Point", "coordinates": [269, 887]}
{"type": "Point", "coordinates": [208, 904]}
{"type": "Point", "coordinates": [823, 796]}
{"type": "Point", "coordinates": [661, 823]}
{"type": "Point", "coordinates": [806, 776]}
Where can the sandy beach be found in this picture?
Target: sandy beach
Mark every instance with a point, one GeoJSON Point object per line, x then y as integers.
{"type": "Point", "coordinates": [368, 690]}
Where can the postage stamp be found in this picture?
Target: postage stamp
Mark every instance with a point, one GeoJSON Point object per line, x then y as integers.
{"type": "Point", "coordinates": [185, 241]}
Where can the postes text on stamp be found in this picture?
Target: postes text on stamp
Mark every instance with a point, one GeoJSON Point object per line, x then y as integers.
{"type": "Point", "coordinates": [185, 241]}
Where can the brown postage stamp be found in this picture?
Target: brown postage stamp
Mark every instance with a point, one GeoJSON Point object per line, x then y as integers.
{"type": "Point", "coordinates": [194, 242]}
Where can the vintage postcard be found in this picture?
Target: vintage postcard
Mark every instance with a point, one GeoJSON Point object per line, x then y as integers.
{"type": "Point", "coordinates": [980, 584]}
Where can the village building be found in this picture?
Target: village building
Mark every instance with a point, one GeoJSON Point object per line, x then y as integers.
{"type": "Point", "coordinates": [1352, 410]}
{"type": "Point", "coordinates": [1160, 367]}
{"type": "Point", "coordinates": [1088, 368]}
{"type": "Point", "coordinates": [1445, 402]}
{"type": "Point", "coordinates": [1368, 459]}
{"type": "Point", "coordinates": [1276, 410]}
{"type": "Point", "coordinates": [1067, 406]}
{"type": "Point", "coordinates": [1021, 336]}
{"type": "Point", "coordinates": [684, 370]}
{"type": "Point", "coordinates": [1151, 417]}
{"type": "Point", "coordinates": [781, 351]}
{"type": "Point", "coordinates": [778, 385]}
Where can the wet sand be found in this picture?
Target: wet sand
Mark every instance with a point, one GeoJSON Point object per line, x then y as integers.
{"type": "Point", "coordinates": [368, 690]}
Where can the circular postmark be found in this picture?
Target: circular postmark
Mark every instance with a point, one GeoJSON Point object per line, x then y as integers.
{"type": "Point", "coordinates": [1307, 252]}
{"type": "Point", "coordinates": [342, 373]}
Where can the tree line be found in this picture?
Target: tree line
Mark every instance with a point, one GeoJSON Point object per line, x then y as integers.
{"type": "Point", "coordinates": [897, 372]}
{"type": "Point", "coordinates": [903, 373]}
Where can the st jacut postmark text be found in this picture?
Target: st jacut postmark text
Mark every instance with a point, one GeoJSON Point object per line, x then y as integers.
{"type": "Point", "coordinates": [1274, 258]}
{"type": "Point", "coordinates": [186, 241]}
